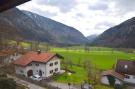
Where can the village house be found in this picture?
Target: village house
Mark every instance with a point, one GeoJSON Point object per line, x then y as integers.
{"type": "Point", "coordinates": [124, 73]}
{"type": "Point", "coordinates": [38, 63]}
{"type": "Point", "coordinates": [8, 55]}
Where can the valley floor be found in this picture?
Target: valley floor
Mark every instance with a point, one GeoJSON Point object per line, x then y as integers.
{"type": "Point", "coordinates": [101, 59]}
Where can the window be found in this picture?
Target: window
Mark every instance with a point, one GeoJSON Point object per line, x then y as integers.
{"type": "Point", "coordinates": [51, 71]}
{"type": "Point", "coordinates": [21, 71]}
{"type": "Point", "coordinates": [56, 69]}
{"type": "Point", "coordinates": [126, 76]}
{"type": "Point", "coordinates": [126, 66]}
{"type": "Point", "coordinates": [56, 63]}
{"type": "Point", "coordinates": [30, 64]}
{"type": "Point", "coordinates": [12, 59]}
{"type": "Point", "coordinates": [51, 64]}
{"type": "Point", "coordinates": [37, 64]}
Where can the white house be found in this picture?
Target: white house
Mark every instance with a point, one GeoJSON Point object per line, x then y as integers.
{"type": "Point", "coordinates": [38, 63]}
{"type": "Point", "coordinates": [124, 72]}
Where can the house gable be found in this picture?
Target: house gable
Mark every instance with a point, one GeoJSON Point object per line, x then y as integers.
{"type": "Point", "coordinates": [125, 67]}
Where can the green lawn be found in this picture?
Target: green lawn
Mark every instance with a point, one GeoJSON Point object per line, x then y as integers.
{"type": "Point", "coordinates": [101, 58]}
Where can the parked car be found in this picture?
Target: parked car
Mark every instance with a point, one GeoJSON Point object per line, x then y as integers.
{"type": "Point", "coordinates": [36, 77]}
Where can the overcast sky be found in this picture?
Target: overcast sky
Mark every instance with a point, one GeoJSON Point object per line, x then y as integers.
{"type": "Point", "coordinates": [88, 16]}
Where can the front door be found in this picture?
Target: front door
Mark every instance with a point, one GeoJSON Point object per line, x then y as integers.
{"type": "Point", "coordinates": [40, 72]}
{"type": "Point", "coordinates": [30, 73]}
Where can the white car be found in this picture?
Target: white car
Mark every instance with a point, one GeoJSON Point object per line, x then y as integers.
{"type": "Point", "coordinates": [36, 77]}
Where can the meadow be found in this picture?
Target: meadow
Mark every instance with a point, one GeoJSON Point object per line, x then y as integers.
{"type": "Point", "coordinates": [101, 58]}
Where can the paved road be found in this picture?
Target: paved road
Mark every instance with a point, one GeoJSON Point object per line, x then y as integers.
{"type": "Point", "coordinates": [130, 87]}
{"type": "Point", "coordinates": [63, 85]}
{"type": "Point", "coordinates": [33, 86]}
{"type": "Point", "coordinates": [26, 83]}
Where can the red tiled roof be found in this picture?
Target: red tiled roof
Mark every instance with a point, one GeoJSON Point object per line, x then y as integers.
{"type": "Point", "coordinates": [6, 52]}
{"type": "Point", "coordinates": [3, 54]}
{"type": "Point", "coordinates": [34, 56]}
{"type": "Point", "coordinates": [113, 73]}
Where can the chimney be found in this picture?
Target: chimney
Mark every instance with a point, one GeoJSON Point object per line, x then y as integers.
{"type": "Point", "coordinates": [38, 51]}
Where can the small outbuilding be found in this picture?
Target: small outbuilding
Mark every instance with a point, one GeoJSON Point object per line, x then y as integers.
{"type": "Point", "coordinates": [118, 77]}
{"type": "Point", "coordinates": [124, 72]}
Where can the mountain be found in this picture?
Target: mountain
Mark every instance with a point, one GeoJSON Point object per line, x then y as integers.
{"type": "Point", "coordinates": [91, 38]}
{"type": "Point", "coordinates": [61, 33]}
{"type": "Point", "coordinates": [15, 23]}
{"type": "Point", "coordinates": [122, 35]}
{"type": "Point", "coordinates": [30, 26]}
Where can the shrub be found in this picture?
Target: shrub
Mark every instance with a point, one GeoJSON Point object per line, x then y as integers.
{"type": "Point", "coordinates": [7, 83]}
{"type": "Point", "coordinates": [111, 80]}
{"type": "Point", "coordinates": [118, 86]}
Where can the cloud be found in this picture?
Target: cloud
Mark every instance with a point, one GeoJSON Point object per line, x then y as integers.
{"type": "Point", "coordinates": [88, 16]}
{"type": "Point", "coordinates": [124, 6]}
{"type": "Point", "coordinates": [99, 6]}
{"type": "Point", "coordinates": [103, 25]}
{"type": "Point", "coordinates": [44, 13]}
{"type": "Point", "coordinates": [63, 5]}
{"type": "Point", "coordinates": [79, 15]}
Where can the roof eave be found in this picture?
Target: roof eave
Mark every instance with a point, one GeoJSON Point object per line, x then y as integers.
{"type": "Point", "coordinates": [7, 4]}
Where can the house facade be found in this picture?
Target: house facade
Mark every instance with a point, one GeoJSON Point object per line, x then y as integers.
{"type": "Point", "coordinates": [34, 63]}
{"type": "Point", "coordinates": [124, 73]}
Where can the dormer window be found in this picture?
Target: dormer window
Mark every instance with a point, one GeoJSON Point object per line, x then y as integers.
{"type": "Point", "coordinates": [30, 64]}
{"type": "Point", "coordinates": [37, 64]}
{"type": "Point", "coordinates": [127, 76]}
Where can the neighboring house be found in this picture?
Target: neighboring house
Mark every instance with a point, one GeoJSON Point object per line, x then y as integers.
{"type": "Point", "coordinates": [118, 77]}
{"type": "Point", "coordinates": [8, 55]}
{"type": "Point", "coordinates": [124, 72]}
{"type": "Point", "coordinates": [38, 63]}
{"type": "Point", "coordinates": [127, 68]}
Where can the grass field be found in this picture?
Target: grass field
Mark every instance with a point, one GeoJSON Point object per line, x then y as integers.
{"type": "Point", "coordinates": [101, 58]}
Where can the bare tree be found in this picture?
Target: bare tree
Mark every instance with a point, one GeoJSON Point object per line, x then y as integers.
{"type": "Point", "coordinates": [79, 62]}
{"type": "Point", "coordinates": [91, 72]}
{"type": "Point", "coordinates": [47, 48]}
{"type": "Point", "coordinates": [69, 62]}
{"type": "Point", "coordinates": [86, 48]}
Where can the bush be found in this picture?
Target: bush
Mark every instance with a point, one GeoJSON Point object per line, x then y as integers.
{"type": "Point", "coordinates": [7, 83]}
{"type": "Point", "coordinates": [111, 80]}
{"type": "Point", "coordinates": [3, 75]}
{"type": "Point", "coordinates": [118, 86]}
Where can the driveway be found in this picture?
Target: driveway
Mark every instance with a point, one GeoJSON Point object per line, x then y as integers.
{"type": "Point", "coordinates": [26, 83]}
